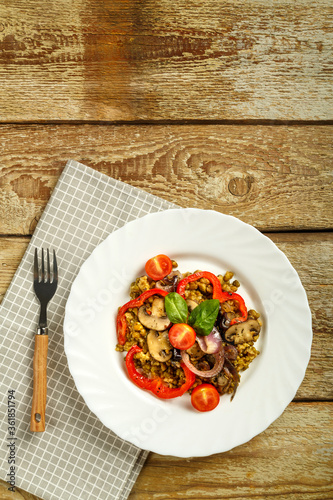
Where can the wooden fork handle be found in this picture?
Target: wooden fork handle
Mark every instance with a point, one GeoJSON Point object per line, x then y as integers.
{"type": "Point", "coordinates": [37, 421]}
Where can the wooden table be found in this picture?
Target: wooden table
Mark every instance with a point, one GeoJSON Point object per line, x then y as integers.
{"type": "Point", "coordinates": [212, 104]}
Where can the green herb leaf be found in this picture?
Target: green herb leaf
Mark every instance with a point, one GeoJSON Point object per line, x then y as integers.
{"type": "Point", "coordinates": [176, 308]}
{"type": "Point", "coordinates": [203, 317]}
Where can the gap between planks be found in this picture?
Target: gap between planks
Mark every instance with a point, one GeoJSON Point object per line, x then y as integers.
{"type": "Point", "coordinates": [252, 122]}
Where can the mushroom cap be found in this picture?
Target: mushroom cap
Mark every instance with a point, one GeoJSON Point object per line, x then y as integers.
{"type": "Point", "coordinates": [159, 345]}
{"type": "Point", "coordinates": [191, 304]}
{"type": "Point", "coordinates": [223, 381]}
{"type": "Point", "coordinates": [195, 351]}
{"type": "Point", "coordinates": [169, 283]}
{"type": "Point", "coordinates": [157, 320]}
{"type": "Point", "coordinates": [242, 332]}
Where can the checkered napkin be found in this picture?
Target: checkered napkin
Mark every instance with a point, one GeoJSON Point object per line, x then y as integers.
{"type": "Point", "coordinates": [76, 457]}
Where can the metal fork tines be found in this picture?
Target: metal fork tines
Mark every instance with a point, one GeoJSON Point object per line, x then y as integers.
{"type": "Point", "coordinates": [43, 286]}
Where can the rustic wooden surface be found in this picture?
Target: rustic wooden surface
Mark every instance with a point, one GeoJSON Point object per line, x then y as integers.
{"type": "Point", "coordinates": [166, 60]}
{"type": "Point", "coordinates": [275, 464]}
{"type": "Point", "coordinates": [261, 174]}
{"type": "Point", "coordinates": [220, 105]}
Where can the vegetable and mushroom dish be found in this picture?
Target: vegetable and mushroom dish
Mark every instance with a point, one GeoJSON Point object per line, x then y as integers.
{"type": "Point", "coordinates": [189, 332]}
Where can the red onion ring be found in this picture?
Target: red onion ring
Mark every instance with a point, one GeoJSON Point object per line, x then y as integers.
{"type": "Point", "coordinates": [219, 361]}
{"type": "Point", "coordinates": [212, 343]}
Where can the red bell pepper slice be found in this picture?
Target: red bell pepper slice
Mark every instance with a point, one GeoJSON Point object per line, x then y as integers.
{"type": "Point", "coordinates": [217, 290]}
{"type": "Point", "coordinates": [121, 320]}
{"type": "Point", "coordinates": [163, 391]}
{"type": "Point", "coordinates": [241, 306]}
{"type": "Point", "coordinates": [218, 293]}
{"type": "Point", "coordinates": [156, 385]}
{"type": "Point", "coordinates": [139, 379]}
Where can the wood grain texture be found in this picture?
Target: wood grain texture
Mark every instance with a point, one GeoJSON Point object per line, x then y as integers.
{"type": "Point", "coordinates": [37, 420]}
{"type": "Point", "coordinates": [134, 60]}
{"type": "Point", "coordinates": [291, 460]}
{"type": "Point", "coordinates": [11, 254]}
{"type": "Point", "coordinates": [273, 177]}
{"type": "Point", "coordinates": [18, 494]}
{"type": "Point", "coordinates": [309, 253]}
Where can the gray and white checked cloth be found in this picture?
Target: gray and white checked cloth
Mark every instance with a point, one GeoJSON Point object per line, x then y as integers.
{"type": "Point", "coordinates": [76, 457]}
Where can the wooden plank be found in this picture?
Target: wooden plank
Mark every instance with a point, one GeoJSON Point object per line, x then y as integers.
{"type": "Point", "coordinates": [306, 252]}
{"type": "Point", "coordinates": [11, 254]}
{"type": "Point", "coordinates": [17, 495]}
{"type": "Point", "coordinates": [132, 60]}
{"type": "Point", "coordinates": [291, 460]}
{"type": "Point", "coordinates": [260, 174]}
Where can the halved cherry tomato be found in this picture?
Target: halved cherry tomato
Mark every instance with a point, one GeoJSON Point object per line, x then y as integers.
{"type": "Point", "coordinates": [205, 397]}
{"type": "Point", "coordinates": [158, 267]}
{"type": "Point", "coordinates": [182, 336]}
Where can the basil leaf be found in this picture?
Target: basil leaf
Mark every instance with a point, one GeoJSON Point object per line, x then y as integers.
{"type": "Point", "coordinates": [176, 308]}
{"type": "Point", "coordinates": [203, 317]}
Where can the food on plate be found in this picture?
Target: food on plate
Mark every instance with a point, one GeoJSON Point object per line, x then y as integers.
{"type": "Point", "coordinates": [182, 336]}
{"type": "Point", "coordinates": [186, 332]}
{"type": "Point", "coordinates": [205, 397]}
{"type": "Point", "coordinates": [158, 267]}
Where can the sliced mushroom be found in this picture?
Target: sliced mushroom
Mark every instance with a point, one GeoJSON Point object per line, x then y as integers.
{"type": "Point", "coordinates": [159, 345]}
{"type": "Point", "coordinates": [224, 319]}
{"type": "Point", "coordinates": [169, 283]}
{"type": "Point", "coordinates": [223, 382]}
{"type": "Point", "coordinates": [191, 304]}
{"type": "Point", "coordinates": [242, 332]}
{"type": "Point", "coordinates": [157, 320]}
{"type": "Point", "coordinates": [203, 366]}
{"type": "Point", "coordinates": [195, 351]}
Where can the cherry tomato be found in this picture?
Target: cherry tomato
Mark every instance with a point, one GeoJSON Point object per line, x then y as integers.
{"type": "Point", "coordinates": [158, 267]}
{"type": "Point", "coordinates": [182, 336]}
{"type": "Point", "coordinates": [205, 397]}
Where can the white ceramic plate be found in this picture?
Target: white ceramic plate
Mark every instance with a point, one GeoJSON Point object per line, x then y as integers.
{"type": "Point", "coordinates": [196, 239]}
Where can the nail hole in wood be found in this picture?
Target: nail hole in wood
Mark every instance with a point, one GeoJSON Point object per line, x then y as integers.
{"type": "Point", "coordinates": [38, 417]}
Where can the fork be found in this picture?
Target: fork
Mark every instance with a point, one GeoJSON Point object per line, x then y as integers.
{"type": "Point", "coordinates": [44, 290]}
